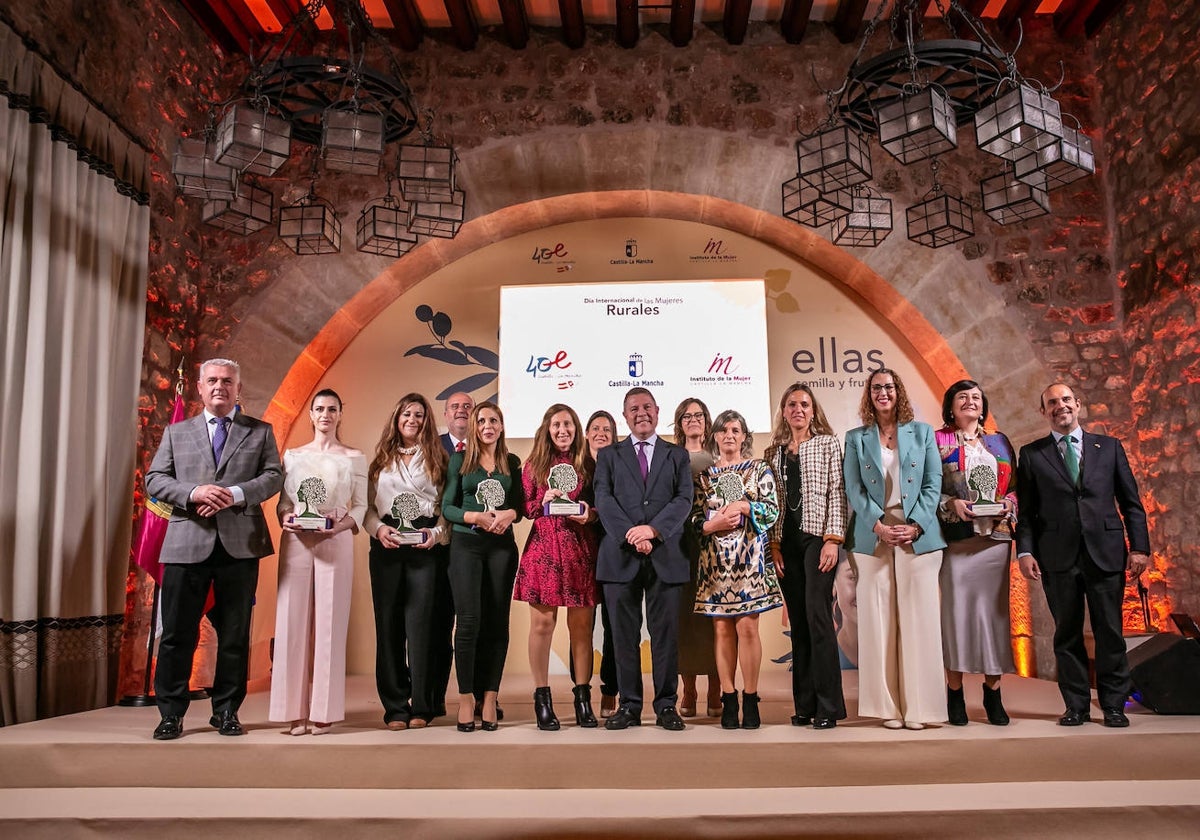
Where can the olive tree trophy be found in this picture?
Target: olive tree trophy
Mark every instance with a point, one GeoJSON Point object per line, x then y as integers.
{"type": "Point", "coordinates": [563, 477]}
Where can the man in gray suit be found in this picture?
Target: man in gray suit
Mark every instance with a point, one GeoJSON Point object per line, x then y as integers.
{"type": "Point", "coordinates": [643, 496]}
{"type": "Point", "coordinates": [216, 469]}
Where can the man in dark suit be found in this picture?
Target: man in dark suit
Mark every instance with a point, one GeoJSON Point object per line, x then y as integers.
{"type": "Point", "coordinates": [457, 413]}
{"type": "Point", "coordinates": [1071, 485]}
{"type": "Point", "coordinates": [216, 469]}
{"type": "Point", "coordinates": [644, 493]}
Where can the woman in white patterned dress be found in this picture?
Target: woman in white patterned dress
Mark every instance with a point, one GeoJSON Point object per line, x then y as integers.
{"type": "Point", "coordinates": [736, 504]}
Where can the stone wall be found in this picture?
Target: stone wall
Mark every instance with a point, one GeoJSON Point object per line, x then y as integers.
{"type": "Point", "coordinates": [1020, 305]}
{"type": "Point", "coordinates": [1153, 130]}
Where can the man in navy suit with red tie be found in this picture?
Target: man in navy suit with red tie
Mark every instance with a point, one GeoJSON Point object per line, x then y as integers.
{"type": "Point", "coordinates": [644, 493]}
{"type": "Point", "coordinates": [1079, 505]}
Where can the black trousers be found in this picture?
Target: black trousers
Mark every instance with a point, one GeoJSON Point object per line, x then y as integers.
{"type": "Point", "coordinates": [1066, 593]}
{"type": "Point", "coordinates": [403, 592]}
{"type": "Point", "coordinates": [482, 570]}
{"type": "Point", "coordinates": [185, 588]}
{"type": "Point", "coordinates": [624, 602]}
{"type": "Point", "coordinates": [608, 659]}
{"type": "Point", "coordinates": [808, 593]}
{"type": "Point", "coordinates": [441, 651]}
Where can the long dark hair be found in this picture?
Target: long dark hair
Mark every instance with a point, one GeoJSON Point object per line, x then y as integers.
{"type": "Point", "coordinates": [544, 449]}
{"type": "Point", "coordinates": [475, 448]}
{"type": "Point", "coordinates": [680, 410]}
{"type": "Point", "coordinates": [387, 451]}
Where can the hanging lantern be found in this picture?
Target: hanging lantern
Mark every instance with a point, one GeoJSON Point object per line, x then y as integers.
{"type": "Point", "coordinates": [310, 226]}
{"type": "Point", "coordinates": [245, 213]}
{"type": "Point", "coordinates": [834, 159]}
{"type": "Point", "coordinates": [383, 228]}
{"type": "Point", "coordinates": [198, 174]}
{"type": "Point", "coordinates": [941, 219]}
{"type": "Point", "coordinates": [804, 203]}
{"type": "Point", "coordinates": [918, 126]}
{"type": "Point", "coordinates": [439, 218]}
{"type": "Point", "coordinates": [426, 172]}
{"type": "Point", "coordinates": [253, 140]}
{"type": "Point", "coordinates": [867, 224]}
{"type": "Point", "coordinates": [1062, 162]}
{"type": "Point", "coordinates": [352, 141]}
{"type": "Point", "coordinates": [1007, 200]}
{"type": "Point", "coordinates": [1023, 120]}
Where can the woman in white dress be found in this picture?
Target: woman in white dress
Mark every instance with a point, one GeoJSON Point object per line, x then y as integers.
{"type": "Point", "coordinates": [325, 486]}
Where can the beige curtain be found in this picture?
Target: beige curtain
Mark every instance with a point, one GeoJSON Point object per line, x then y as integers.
{"type": "Point", "coordinates": [73, 266]}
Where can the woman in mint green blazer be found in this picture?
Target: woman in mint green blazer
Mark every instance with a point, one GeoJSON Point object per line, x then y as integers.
{"type": "Point", "coordinates": [893, 482]}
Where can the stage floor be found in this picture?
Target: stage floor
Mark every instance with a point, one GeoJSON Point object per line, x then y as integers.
{"type": "Point", "coordinates": [100, 772]}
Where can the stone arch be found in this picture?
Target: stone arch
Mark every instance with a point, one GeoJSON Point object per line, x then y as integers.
{"type": "Point", "coordinates": [940, 360]}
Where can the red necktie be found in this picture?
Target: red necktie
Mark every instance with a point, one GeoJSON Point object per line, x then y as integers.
{"type": "Point", "coordinates": [460, 446]}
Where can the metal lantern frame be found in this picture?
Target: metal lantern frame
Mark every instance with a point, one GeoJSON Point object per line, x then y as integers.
{"type": "Point", "coordinates": [352, 141]}
{"type": "Point", "coordinates": [919, 125]}
{"type": "Point", "coordinates": [834, 158]}
{"type": "Point", "coordinates": [440, 219]}
{"type": "Point", "coordinates": [1007, 199]}
{"type": "Point", "coordinates": [1025, 119]}
{"type": "Point", "coordinates": [252, 140]}
{"type": "Point", "coordinates": [1060, 163]}
{"type": "Point", "coordinates": [197, 172]}
{"type": "Point", "coordinates": [250, 210]}
{"type": "Point", "coordinates": [804, 203]}
{"type": "Point", "coordinates": [868, 223]}
{"type": "Point", "coordinates": [310, 226]}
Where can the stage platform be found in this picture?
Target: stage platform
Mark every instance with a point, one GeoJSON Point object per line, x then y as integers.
{"type": "Point", "coordinates": [101, 774]}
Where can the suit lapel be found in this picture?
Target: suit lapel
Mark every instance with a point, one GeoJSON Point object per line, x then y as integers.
{"type": "Point", "coordinates": [628, 456]}
{"type": "Point", "coordinates": [1051, 454]}
{"type": "Point", "coordinates": [872, 450]}
{"type": "Point", "coordinates": [662, 451]}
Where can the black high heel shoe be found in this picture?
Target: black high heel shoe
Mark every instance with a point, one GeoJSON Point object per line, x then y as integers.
{"type": "Point", "coordinates": [584, 716]}
{"type": "Point", "coordinates": [750, 716]}
{"type": "Point", "coordinates": [466, 727]}
{"type": "Point", "coordinates": [543, 710]}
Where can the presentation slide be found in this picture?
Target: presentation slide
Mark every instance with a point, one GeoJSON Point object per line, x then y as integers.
{"type": "Point", "coordinates": [586, 345]}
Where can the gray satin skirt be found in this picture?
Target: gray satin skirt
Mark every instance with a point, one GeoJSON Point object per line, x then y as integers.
{"type": "Point", "coordinates": [976, 636]}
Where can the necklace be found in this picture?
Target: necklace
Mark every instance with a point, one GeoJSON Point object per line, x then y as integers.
{"type": "Point", "coordinates": [409, 450]}
{"type": "Point", "coordinates": [787, 482]}
{"type": "Point", "coordinates": [969, 438]}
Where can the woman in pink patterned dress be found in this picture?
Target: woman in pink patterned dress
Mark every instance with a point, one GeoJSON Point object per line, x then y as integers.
{"type": "Point", "coordinates": [558, 567]}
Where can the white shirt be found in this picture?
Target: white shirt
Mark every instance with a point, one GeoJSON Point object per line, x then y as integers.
{"type": "Point", "coordinates": [648, 448]}
{"type": "Point", "coordinates": [406, 478]}
{"type": "Point", "coordinates": [239, 495]}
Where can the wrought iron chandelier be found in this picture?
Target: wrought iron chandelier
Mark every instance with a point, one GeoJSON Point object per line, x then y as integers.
{"type": "Point", "coordinates": [913, 98]}
{"type": "Point", "coordinates": [351, 113]}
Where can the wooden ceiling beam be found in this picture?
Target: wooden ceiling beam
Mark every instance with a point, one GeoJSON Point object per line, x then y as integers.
{"type": "Point", "coordinates": [515, 22]}
{"type": "Point", "coordinates": [571, 13]}
{"type": "Point", "coordinates": [463, 28]}
{"type": "Point", "coordinates": [683, 16]}
{"type": "Point", "coordinates": [1100, 15]}
{"type": "Point", "coordinates": [848, 19]}
{"type": "Point", "coordinates": [1014, 12]}
{"type": "Point", "coordinates": [1071, 18]}
{"type": "Point", "coordinates": [975, 7]}
{"type": "Point", "coordinates": [628, 24]}
{"type": "Point", "coordinates": [735, 20]}
{"type": "Point", "coordinates": [793, 20]}
{"type": "Point", "coordinates": [215, 27]}
{"type": "Point", "coordinates": [406, 26]}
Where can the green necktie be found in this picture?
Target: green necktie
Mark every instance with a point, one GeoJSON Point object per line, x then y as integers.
{"type": "Point", "coordinates": [1071, 458]}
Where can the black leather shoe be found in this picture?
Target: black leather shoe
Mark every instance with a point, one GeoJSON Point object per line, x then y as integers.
{"type": "Point", "coordinates": [994, 706]}
{"type": "Point", "coordinates": [226, 723]}
{"type": "Point", "coordinates": [670, 720]}
{"type": "Point", "coordinates": [824, 723]}
{"type": "Point", "coordinates": [801, 720]}
{"type": "Point", "coordinates": [543, 710]}
{"type": "Point", "coordinates": [1073, 718]}
{"type": "Point", "coordinates": [729, 710]}
{"type": "Point", "coordinates": [623, 719]}
{"type": "Point", "coordinates": [467, 727]}
{"type": "Point", "coordinates": [1115, 718]}
{"type": "Point", "coordinates": [169, 728]}
{"type": "Point", "coordinates": [751, 719]}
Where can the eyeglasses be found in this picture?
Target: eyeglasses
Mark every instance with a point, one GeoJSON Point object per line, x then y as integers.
{"type": "Point", "coordinates": [692, 415]}
{"type": "Point", "coordinates": [879, 389]}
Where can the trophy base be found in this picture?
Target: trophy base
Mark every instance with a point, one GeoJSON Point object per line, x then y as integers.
{"type": "Point", "coordinates": [562, 508]}
{"type": "Point", "coordinates": [987, 509]}
{"type": "Point", "coordinates": [410, 537]}
{"type": "Point", "coordinates": [313, 523]}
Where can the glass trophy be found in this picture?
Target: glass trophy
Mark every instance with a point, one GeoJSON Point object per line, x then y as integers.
{"type": "Point", "coordinates": [729, 489]}
{"type": "Point", "coordinates": [982, 483]}
{"type": "Point", "coordinates": [563, 477]}
{"type": "Point", "coordinates": [312, 492]}
{"type": "Point", "coordinates": [405, 509]}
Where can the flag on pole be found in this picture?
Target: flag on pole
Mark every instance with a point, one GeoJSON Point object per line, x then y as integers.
{"type": "Point", "coordinates": [152, 526]}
